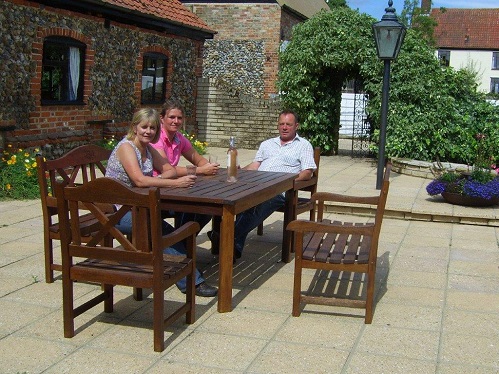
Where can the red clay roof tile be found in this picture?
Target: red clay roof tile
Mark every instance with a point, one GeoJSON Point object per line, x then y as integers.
{"type": "Point", "coordinates": [467, 28]}
{"type": "Point", "coordinates": [172, 10]}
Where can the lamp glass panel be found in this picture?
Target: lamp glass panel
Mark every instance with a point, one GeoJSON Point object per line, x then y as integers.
{"type": "Point", "coordinates": [387, 41]}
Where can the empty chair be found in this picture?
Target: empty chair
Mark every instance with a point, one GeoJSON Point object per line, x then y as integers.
{"type": "Point", "coordinates": [339, 246]}
{"type": "Point", "coordinates": [137, 262]}
{"type": "Point", "coordinates": [79, 165]}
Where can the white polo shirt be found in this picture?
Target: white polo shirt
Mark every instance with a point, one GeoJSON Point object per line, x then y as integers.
{"type": "Point", "coordinates": [292, 157]}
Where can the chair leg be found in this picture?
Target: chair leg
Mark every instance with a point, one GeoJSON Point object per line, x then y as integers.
{"type": "Point", "coordinates": [68, 308]}
{"type": "Point", "coordinates": [137, 294]}
{"type": "Point", "coordinates": [190, 297]}
{"type": "Point", "coordinates": [297, 289]}
{"type": "Point", "coordinates": [108, 302]}
{"type": "Point", "coordinates": [259, 230]}
{"type": "Point", "coordinates": [370, 296]}
{"type": "Point", "coordinates": [49, 259]}
{"type": "Point", "coordinates": [158, 319]}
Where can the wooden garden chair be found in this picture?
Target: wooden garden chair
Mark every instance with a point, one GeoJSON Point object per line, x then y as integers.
{"type": "Point", "coordinates": [80, 165]}
{"type": "Point", "coordinates": [138, 262]}
{"type": "Point", "coordinates": [339, 246]}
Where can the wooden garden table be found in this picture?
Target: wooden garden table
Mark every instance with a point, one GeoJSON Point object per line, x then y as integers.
{"type": "Point", "coordinates": [213, 195]}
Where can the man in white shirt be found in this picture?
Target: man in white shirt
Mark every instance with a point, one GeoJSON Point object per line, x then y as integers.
{"type": "Point", "coordinates": [287, 153]}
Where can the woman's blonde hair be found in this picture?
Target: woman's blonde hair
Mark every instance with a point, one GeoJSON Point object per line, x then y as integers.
{"type": "Point", "coordinates": [145, 114]}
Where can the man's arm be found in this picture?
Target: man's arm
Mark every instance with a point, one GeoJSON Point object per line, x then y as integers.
{"type": "Point", "coordinates": [253, 166]}
{"type": "Point", "coordinates": [305, 175]}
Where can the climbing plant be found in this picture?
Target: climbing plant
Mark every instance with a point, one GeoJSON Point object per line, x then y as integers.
{"type": "Point", "coordinates": [325, 51]}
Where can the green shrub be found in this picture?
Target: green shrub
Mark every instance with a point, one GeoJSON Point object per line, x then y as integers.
{"type": "Point", "coordinates": [108, 143]}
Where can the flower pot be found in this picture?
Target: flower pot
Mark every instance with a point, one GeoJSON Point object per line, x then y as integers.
{"type": "Point", "coordinates": [458, 199]}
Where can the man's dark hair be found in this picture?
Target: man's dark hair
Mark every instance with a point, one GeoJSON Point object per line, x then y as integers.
{"type": "Point", "coordinates": [289, 111]}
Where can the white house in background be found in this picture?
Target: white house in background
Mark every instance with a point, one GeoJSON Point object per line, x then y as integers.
{"type": "Point", "coordinates": [469, 38]}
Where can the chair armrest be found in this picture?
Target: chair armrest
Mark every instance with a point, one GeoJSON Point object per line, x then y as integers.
{"type": "Point", "coordinates": [300, 185]}
{"type": "Point", "coordinates": [183, 232]}
{"type": "Point", "coordinates": [304, 226]}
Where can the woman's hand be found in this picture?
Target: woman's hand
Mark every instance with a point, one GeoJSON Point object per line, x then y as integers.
{"type": "Point", "coordinates": [186, 181]}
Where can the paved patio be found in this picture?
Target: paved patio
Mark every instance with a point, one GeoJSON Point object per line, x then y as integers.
{"type": "Point", "coordinates": [437, 307]}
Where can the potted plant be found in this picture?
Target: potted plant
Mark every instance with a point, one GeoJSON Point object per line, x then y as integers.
{"type": "Point", "coordinates": [476, 187]}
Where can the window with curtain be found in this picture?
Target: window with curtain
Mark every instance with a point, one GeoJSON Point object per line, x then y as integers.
{"type": "Point", "coordinates": [154, 78]}
{"type": "Point", "coordinates": [62, 70]}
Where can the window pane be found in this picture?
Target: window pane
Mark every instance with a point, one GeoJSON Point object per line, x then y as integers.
{"type": "Point", "coordinates": [495, 60]}
{"type": "Point", "coordinates": [494, 85]}
{"type": "Point", "coordinates": [153, 78]}
{"type": "Point", "coordinates": [147, 88]}
{"type": "Point", "coordinates": [54, 52]}
{"type": "Point", "coordinates": [444, 57]}
{"type": "Point", "coordinates": [53, 87]}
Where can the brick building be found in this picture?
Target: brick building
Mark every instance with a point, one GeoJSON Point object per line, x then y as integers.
{"type": "Point", "coordinates": [237, 94]}
{"type": "Point", "coordinates": [73, 69]}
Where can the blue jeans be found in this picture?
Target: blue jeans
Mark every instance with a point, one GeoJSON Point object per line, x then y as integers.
{"type": "Point", "coordinates": [125, 226]}
{"type": "Point", "coordinates": [181, 218]}
{"type": "Point", "coordinates": [251, 218]}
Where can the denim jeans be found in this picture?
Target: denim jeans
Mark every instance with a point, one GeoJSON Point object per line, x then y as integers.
{"type": "Point", "coordinates": [251, 218]}
{"type": "Point", "coordinates": [182, 218]}
{"type": "Point", "coordinates": [125, 226]}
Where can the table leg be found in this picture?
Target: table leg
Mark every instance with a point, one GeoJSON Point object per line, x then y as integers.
{"type": "Point", "coordinates": [289, 215]}
{"type": "Point", "coordinates": [225, 258]}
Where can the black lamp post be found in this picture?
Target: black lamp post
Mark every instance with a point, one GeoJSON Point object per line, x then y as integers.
{"type": "Point", "coordinates": [389, 34]}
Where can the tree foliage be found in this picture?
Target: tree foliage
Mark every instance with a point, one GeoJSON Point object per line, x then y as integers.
{"type": "Point", "coordinates": [325, 51]}
{"type": "Point", "coordinates": [434, 111]}
{"type": "Point", "coordinates": [412, 16]}
{"type": "Point", "coordinates": [336, 3]}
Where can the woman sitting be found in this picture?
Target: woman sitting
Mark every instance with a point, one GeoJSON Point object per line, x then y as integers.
{"type": "Point", "coordinates": [132, 162]}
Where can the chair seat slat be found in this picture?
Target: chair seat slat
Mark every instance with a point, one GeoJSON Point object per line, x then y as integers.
{"type": "Point", "coordinates": [364, 250]}
{"type": "Point", "coordinates": [351, 249]}
{"type": "Point", "coordinates": [312, 246]}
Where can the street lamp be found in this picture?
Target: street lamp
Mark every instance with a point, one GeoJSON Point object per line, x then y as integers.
{"type": "Point", "coordinates": [389, 34]}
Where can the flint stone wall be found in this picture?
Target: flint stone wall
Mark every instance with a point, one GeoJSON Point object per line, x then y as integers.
{"type": "Point", "coordinates": [112, 84]}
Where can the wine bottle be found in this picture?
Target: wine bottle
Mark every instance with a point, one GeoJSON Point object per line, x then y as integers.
{"type": "Point", "coordinates": [232, 162]}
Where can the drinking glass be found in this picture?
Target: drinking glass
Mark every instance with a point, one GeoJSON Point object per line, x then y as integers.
{"type": "Point", "coordinates": [191, 169]}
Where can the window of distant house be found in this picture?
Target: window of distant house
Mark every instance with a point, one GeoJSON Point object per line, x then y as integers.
{"type": "Point", "coordinates": [62, 70]}
{"type": "Point", "coordinates": [495, 60]}
{"type": "Point", "coordinates": [154, 78]}
{"type": "Point", "coordinates": [494, 85]}
{"type": "Point", "coordinates": [444, 57]}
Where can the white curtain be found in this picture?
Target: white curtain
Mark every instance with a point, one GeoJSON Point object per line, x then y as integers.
{"type": "Point", "coordinates": [74, 72]}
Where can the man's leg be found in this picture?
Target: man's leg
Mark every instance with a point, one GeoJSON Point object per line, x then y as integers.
{"type": "Point", "coordinates": [182, 218]}
{"type": "Point", "coordinates": [251, 218]}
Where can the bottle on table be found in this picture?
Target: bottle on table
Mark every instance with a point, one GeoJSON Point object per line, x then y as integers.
{"type": "Point", "coordinates": [232, 162]}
